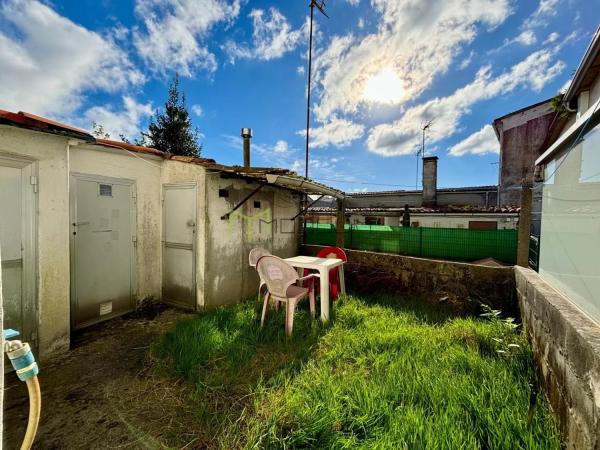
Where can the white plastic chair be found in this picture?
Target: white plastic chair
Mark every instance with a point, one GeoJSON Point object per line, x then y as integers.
{"type": "Point", "coordinates": [281, 278]}
{"type": "Point", "coordinates": [255, 254]}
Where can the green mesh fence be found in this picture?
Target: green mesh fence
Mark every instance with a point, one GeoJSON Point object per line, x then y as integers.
{"type": "Point", "coordinates": [445, 243]}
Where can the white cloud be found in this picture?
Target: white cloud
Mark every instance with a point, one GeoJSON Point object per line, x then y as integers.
{"type": "Point", "coordinates": [300, 70]}
{"type": "Point", "coordinates": [337, 132]}
{"type": "Point", "coordinates": [175, 31]}
{"type": "Point", "coordinates": [552, 37]}
{"type": "Point", "coordinates": [281, 146]}
{"type": "Point", "coordinates": [402, 137]}
{"type": "Point", "coordinates": [527, 37]}
{"type": "Point", "coordinates": [467, 61]}
{"type": "Point", "coordinates": [125, 122]}
{"type": "Point", "coordinates": [48, 63]}
{"type": "Point", "coordinates": [354, 2]}
{"type": "Point", "coordinates": [361, 23]}
{"type": "Point", "coordinates": [197, 110]}
{"type": "Point", "coordinates": [539, 18]}
{"type": "Point", "coordinates": [272, 37]}
{"type": "Point", "coordinates": [481, 142]}
{"type": "Point", "coordinates": [416, 39]}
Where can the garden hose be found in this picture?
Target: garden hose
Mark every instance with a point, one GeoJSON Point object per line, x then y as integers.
{"type": "Point", "coordinates": [23, 361]}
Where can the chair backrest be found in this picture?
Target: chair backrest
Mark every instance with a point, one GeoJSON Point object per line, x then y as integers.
{"type": "Point", "coordinates": [332, 252]}
{"type": "Point", "coordinates": [278, 274]}
{"type": "Point", "coordinates": [255, 254]}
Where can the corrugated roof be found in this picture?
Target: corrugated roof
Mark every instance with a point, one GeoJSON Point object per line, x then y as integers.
{"type": "Point", "coordinates": [419, 191]}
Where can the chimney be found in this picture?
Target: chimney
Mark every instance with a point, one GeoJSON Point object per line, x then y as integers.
{"type": "Point", "coordinates": [246, 135]}
{"type": "Point", "coordinates": [430, 181]}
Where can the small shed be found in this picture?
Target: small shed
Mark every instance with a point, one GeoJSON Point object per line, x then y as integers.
{"type": "Point", "coordinates": [91, 227]}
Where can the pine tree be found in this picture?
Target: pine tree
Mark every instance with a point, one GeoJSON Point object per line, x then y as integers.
{"type": "Point", "coordinates": [172, 130]}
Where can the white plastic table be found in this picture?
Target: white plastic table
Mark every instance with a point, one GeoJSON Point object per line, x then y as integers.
{"type": "Point", "coordinates": [323, 265]}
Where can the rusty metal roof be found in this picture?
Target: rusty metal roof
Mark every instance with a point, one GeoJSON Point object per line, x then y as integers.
{"type": "Point", "coordinates": [42, 124]}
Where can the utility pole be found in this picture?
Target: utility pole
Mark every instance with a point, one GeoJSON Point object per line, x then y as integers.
{"type": "Point", "coordinates": [321, 7]}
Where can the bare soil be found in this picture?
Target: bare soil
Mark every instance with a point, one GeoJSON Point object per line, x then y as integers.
{"type": "Point", "coordinates": [107, 393]}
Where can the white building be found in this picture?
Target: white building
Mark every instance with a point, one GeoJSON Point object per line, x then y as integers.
{"type": "Point", "coordinates": [89, 228]}
{"type": "Point", "coordinates": [570, 215]}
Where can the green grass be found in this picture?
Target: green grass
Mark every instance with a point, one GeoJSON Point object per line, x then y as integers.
{"type": "Point", "coordinates": [386, 373]}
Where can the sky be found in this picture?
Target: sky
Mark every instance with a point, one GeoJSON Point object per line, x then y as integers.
{"type": "Point", "coordinates": [381, 70]}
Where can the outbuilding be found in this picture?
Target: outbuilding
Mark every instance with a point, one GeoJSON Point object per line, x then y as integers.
{"type": "Point", "coordinates": [89, 228]}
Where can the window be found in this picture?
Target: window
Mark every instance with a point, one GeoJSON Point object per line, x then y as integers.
{"type": "Point", "coordinates": [105, 190]}
{"type": "Point", "coordinates": [223, 193]}
{"type": "Point", "coordinates": [373, 220]}
{"type": "Point", "coordinates": [257, 204]}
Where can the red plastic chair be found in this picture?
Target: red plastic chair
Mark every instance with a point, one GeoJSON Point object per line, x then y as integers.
{"type": "Point", "coordinates": [335, 288]}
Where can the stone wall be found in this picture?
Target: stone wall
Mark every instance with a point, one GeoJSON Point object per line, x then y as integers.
{"type": "Point", "coordinates": [566, 344]}
{"type": "Point", "coordinates": [463, 287]}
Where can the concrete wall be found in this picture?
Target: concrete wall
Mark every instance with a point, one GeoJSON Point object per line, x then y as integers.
{"type": "Point", "coordinates": [50, 154]}
{"type": "Point", "coordinates": [461, 286]}
{"type": "Point", "coordinates": [145, 170]}
{"type": "Point", "coordinates": [566, 345]}
{"type": "Point", "coordinates": [228, 277]}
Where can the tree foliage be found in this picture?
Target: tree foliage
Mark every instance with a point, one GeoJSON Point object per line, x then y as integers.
{"type": "Point", "coordinates": [172, 131]}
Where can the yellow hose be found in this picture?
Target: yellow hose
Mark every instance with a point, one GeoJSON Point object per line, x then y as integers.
{"type": "Point", "coordinates": [35, 407]}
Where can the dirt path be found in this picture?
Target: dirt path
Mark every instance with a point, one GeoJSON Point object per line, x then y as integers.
{"type": "Point", "coordinates": [92, 398]}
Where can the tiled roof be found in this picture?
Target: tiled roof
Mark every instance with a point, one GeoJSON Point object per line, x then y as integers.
{"type": "Point", "coordinates": [42, 124]}
{"type": "Point", "coordinates": [449, 209]}
{"type": "Point", "coordinates": [419, 191]}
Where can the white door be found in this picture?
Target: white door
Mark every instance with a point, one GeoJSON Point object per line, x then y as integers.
{"type": "Point", "coordinates": [179, 244]}
{"type": "Point", "coordinates": [102, 243]}
{"type": "Point", "coordinates": [17, 238]}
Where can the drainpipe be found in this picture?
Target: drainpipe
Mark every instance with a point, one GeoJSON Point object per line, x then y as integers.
{"type": "Point", "coordinates": [246, 135]}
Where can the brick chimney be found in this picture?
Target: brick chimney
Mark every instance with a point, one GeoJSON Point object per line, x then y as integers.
{"type": "Point", "coordinates": [430, 181]}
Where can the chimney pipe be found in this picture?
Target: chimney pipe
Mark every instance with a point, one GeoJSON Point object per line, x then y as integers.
{"type": "Point", "coordinates": [430, 181]}
{"type": "Point", "coordinates": [246, 135]}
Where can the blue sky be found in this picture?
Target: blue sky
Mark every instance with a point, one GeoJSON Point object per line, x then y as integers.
{"type": "Point", "coordinates": [381, 69]}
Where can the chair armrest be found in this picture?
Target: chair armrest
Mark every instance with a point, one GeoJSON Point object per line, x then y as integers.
{"type": "Point", "coordinates": [308, 277]}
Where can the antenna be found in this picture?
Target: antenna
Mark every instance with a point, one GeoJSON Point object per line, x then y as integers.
{"type": "Point", "coordinates": [320, 4]}
{"type": "Point", "coordinates": [424, 127]}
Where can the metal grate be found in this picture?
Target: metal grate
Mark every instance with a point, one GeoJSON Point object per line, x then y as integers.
{"type": "Point", "coordinates": [105, 190]}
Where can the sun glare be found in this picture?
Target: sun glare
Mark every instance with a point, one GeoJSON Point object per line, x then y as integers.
{"type": "Point", "coordinates": [384, 87]}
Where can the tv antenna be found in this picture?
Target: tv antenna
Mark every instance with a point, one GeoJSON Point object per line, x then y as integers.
{"type": "Point", "coordinates": [424, 127]}
{"type": "Point", "coordinates": [320, 5]}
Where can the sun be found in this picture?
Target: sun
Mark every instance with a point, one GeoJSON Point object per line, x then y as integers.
{"type": "Point", "coordinates": [384, 87]}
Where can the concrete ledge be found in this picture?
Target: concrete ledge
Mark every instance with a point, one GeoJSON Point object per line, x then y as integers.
{"type": "Point", "coordinates": [566, 345]}
{"type": "Point", "coordinates": [462, 286]}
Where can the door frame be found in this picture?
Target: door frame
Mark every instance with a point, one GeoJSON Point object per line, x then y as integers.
{"type": "Point", "coordinates": [182, 185]}
{"type": "Point", "coordinates": [73, 178]}
{"type": "Point", "coordinates": [29, 234]}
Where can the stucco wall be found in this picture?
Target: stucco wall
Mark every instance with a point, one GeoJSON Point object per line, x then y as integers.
{"type": "Point", "coordinates": [228, 277]}
{"type": "Point", "coordinates": [146, 172]}
{"type": "Point", "coordinates": [53, 277]}
{"type": "Point", "coordinates": [461, 286]}
{"type": "Point", "coordinates": [566, 345]}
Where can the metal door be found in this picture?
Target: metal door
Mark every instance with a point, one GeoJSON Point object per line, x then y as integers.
{"type": "Point", "coordinates": [102, 243]}
{"type": "Point", "coordinates": [179, 244]}
{"type": "Point", "coordinates": [17, 240]}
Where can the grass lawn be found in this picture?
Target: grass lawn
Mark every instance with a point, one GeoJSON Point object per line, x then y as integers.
{"type": "Point", "coordinates": [386, 373]}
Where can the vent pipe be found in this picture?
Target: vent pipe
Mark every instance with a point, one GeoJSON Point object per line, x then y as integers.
{"type": "Point", "coordinates": [430, 181]}
{"type": "Point", "coordinates": [246, 135]}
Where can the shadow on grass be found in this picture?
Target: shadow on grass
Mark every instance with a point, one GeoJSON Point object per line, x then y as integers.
{"type": "Point", "coordinates": [227, 357]}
